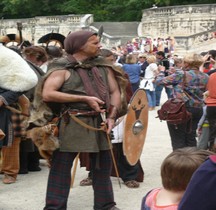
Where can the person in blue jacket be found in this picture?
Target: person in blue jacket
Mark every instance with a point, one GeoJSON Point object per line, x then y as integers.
{"type": "Point", "coordinates": [200, 193]}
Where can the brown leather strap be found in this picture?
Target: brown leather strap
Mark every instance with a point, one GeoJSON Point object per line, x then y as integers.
{"type": "Point", "coordinates": [102, 128]}
{"type": "Point", "coordinates": [76, 119]}
{"type": "Point", "coordinates": [83, 112]}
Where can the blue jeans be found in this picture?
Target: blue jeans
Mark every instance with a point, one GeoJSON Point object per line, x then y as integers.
{"type": "Point", "coordinates": [151, 96]}
{"type": "Point", "coordinates": [158, 91]}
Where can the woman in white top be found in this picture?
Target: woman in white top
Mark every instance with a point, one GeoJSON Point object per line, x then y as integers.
{"type": "Point", "coordinates": [148, 82]}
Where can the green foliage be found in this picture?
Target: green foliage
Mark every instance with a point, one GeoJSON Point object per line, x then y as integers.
{"type": "Point", "coordinates": [103, 10]}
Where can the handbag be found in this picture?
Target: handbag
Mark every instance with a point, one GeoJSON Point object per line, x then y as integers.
{"type": "Point", "coordinates": [174, 112]}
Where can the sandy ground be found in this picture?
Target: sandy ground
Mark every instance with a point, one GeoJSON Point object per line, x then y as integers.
{"type": "Point", "coordinates": [28, 193]}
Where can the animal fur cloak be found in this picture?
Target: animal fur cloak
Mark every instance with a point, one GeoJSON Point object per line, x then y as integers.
{"type": "Point", "coordinates": [42, 113]}
{"type": "Point", "coordinates": [16, 74]}
{"type": "Point", "coordinates": [16, 77]}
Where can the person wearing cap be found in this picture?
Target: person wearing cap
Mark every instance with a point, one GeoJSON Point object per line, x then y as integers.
{"type": "Point", "coordinates": [87, 89]}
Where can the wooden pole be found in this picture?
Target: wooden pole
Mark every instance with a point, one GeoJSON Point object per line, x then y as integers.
{"type": "Point", "coordinates": [74, 170]}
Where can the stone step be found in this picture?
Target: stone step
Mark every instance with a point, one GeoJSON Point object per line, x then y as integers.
{"type": "Point", "coordinates": [198, 48]}
{"type": "Point", "coordinates": [118, 29]}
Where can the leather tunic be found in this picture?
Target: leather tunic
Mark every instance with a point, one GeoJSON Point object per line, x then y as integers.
{"type": "Point", "coordinates": [74, 137]}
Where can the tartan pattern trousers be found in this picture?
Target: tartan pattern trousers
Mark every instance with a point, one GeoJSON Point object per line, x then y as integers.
{"type": "Point", "coordinates": [59, 180]}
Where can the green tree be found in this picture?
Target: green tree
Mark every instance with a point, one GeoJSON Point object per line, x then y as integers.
{"type": "Point", "coordinates": [181, 2]}
{"type": "Point", "coordinates": [103, 10]}
{"type": "Point", "coordinates": [28, 8]}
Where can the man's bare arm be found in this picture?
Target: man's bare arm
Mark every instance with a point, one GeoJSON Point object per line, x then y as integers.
{"type": "Point", "coordinates": [115, 95]}
{"type": "Point", "coordinates": [115, 99]}
{"type": "Point", "coordinates": [51, 92]}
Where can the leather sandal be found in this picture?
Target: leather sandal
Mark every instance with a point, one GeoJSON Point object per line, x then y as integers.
{"type": "Point", "coordinates": [114, 208]}
{"type": "Point", "coordinates": [86, 182]}
{"type": "Point", "coordinates": [132, 184]}
{"type": "Point", "coordinates": [8, 179]}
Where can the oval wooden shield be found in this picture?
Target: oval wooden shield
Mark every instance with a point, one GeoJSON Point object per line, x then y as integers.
{"type": "Point", "coordinates": [135, 129]}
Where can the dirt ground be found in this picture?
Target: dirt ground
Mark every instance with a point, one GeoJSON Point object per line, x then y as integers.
{"type": "Point", "coordinates": [28, 193]}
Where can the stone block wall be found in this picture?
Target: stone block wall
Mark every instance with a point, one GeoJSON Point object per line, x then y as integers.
{"type": "Point", "coordinates": [182, 20]}
{"type": "Point", "coordinates": [34, 28]}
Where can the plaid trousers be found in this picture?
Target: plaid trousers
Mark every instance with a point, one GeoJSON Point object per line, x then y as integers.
{"type": "Point", "coordinates": [59, 180]}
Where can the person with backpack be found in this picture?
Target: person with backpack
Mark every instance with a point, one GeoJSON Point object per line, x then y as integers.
{"type": "Point", "coordinates": [189, 85]}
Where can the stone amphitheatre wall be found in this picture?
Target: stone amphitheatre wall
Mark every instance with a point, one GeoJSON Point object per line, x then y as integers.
{"type": "Point", "coordinates": [183, 20]}
{"type": "Point", "coordinates": [192, 26]}
{"type": "Point", "coordinates": [34, 28]}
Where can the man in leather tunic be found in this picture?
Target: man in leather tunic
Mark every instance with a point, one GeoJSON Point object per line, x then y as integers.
{"type": "Point", "coordinates": [84, 89]}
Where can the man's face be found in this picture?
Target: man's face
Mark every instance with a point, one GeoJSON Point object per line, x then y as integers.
{"type": "Point", "coordinates": [159, 57]}
{"type": "Point", "coordinates": [92, 46]}
{"type": "Point", "coordinates": [142, 59]}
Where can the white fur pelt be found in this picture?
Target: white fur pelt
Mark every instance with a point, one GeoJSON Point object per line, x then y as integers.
{"type": "Point", "coordinates": [15, 74]}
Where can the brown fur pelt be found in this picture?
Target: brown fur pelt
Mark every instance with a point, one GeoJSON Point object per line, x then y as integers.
{"type": "Point", "coordinates": [45, 140]}
{"type": "Point", "coordinates": [41, 112]}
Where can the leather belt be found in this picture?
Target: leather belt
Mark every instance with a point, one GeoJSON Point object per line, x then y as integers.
{"type": "Point", "coordinates": [83, 113]}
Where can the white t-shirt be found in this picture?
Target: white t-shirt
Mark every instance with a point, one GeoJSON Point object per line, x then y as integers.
{"type": "Point", "coordinates": [150, 73]}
